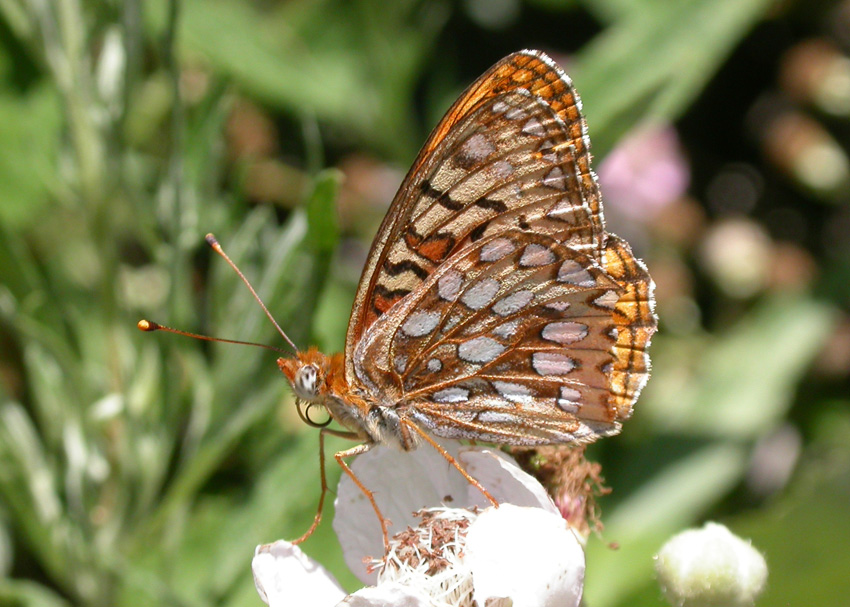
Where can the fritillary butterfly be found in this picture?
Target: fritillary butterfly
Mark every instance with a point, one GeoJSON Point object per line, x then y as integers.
{"type": "Point", "coordinates": [493, 306]}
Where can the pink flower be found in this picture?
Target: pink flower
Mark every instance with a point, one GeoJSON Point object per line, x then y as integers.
{"type": "Point", "coordinates": [645, 173]}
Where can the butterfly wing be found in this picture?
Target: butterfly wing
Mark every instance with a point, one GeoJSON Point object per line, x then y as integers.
{"type": "Point", "coordinates": [635, 321]}
{"type": "Point", "coordinates": [511, 152]}
{"type": "Point", "coordinates": [494, 305]}
{"type": "Point", "coordinates": [511, 340]}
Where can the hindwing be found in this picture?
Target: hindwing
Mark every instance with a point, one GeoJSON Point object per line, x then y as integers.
{"type": "Point", "coordinates": [510, 340]}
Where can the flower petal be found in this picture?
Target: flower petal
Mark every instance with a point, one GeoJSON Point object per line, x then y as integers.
{"type": "Point", "coordinates": [504, 479]}
{"type": "Point", "coordinates": [284, 575]}
{"type": "Point", "coordinates": [406, 482]}
{"type": "Point", "coordinates": [391, 594]}
{"type": "Point", "coordinates": [499, 544]}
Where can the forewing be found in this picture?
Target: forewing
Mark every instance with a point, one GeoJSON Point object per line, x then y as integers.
{"type": "Point", "coordinates": [511, 152]}
{"type": "Point", "coordinates": [511, 340]}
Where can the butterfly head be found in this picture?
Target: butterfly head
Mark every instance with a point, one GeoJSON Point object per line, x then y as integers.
{"type": "Point", "coordinates": [318, 379]}
{"type": "Point", "coordinates": [310, 374]}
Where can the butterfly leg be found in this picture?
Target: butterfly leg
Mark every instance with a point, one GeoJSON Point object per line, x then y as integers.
{"type": "Point", "coordinates": [318, 518]}
{"type": "Point", "coordinates": [339, 456]}
{"type": "Point", "coordinates": [472, 481]}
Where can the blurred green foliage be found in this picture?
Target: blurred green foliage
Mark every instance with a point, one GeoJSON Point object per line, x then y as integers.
{"type": "Point", "coordinates": [143, 469]}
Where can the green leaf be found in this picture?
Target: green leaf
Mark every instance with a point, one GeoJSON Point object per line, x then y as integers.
{"type": "Point", "coordinates": [742, 383]}
{"type": "Point", "coordinates": [322, 223]}
{"type": "Point", "coordinates": [674, 498]}
{"type": "Point", "coordinates": [653, 62]}
{"type": "Point", "coordinates": [29, 489]}
{"type": "Point", "coordinates": [803, 534]}
{"type": "Point", "coordinates": [30, 127]}
{"type": "Point", "coordinates": [351, 63]}
{"type": "Point", "coordinates": [21, 593]}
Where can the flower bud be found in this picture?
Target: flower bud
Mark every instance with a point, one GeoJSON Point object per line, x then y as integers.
{"type": "Point", "coordinates": [710, 567]}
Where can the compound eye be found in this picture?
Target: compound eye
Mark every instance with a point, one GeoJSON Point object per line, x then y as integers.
{"type": "Point", "coordinates": [306, 381]}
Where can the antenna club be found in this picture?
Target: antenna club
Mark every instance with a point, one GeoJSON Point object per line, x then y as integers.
{"type": "Point", "coordinates": [211, 240]}
{"type": "Point", "coordinates": [146, 325]}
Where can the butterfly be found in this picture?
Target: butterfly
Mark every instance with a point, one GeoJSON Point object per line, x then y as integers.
{"type": "Point", "coordinates": [493, 305]}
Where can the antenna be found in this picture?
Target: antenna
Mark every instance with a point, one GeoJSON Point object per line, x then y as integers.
{"type": "Point", "coordinates": [217, 248]}
{"type": "Point", "coordinates": [150, 326]}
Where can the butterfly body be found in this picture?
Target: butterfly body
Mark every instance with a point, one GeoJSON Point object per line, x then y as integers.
{"type": "Point", "coordinates": [320, 380]}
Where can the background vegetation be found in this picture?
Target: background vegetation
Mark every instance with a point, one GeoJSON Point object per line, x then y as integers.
{"type": "Point", "coordinates": [142, 469]}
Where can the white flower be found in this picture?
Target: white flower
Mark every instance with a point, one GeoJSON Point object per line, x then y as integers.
{"type": "Point", "coordinates": [284, 575]}
{"type": "Point", "coordinates": [404, 483]}
{"type": "Point", "coordinates": [526, 554]}
{"type": "Point", "coordinates": [523, 551]}
{"type": "Point", "coordinates": [710, 567]}
{"type": "Point", "coordinates": [387, 595]}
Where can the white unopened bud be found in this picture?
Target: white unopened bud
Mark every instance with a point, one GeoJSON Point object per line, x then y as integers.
{"type": "Point", "coordinates": [710, 567]}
